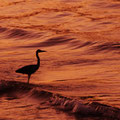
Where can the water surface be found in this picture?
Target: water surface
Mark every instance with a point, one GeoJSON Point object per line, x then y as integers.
{"type": "Point", "coordinates": [82, 43]}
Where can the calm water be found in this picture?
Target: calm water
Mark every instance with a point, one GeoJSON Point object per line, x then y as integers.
{"type": "Point", "coordinates": [82, 40]}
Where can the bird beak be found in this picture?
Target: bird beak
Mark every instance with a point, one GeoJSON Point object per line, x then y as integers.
{"type": "Point", "coordinates": [43, 51]}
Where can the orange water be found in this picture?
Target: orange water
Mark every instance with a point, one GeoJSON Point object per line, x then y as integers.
{"type": "Point", "coordinates": [82, 40]}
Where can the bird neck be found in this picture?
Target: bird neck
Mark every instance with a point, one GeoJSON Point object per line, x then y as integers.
{"type": "Point", "coordinates": [38, 59]}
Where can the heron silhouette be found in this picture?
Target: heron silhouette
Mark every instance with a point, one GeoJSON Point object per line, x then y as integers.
{"type": "Point", "coordinates": [30, 69]}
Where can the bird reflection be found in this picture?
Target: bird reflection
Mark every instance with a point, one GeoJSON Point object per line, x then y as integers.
{"type": "Point", "coordinates": [30, 69]}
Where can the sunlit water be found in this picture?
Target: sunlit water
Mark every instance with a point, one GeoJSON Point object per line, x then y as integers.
{"type": "Point", "coordinates": [82, 40]}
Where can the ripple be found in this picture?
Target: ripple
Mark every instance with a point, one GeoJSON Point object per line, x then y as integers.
{"type": "Point", "coordinates": [107, 46]}
{"type": "Point", "coordinates": [20, 33]}
{"type": "Point", "coordinates": [2, 29]}
{"type": "Point", "coordinates": [61, 40]}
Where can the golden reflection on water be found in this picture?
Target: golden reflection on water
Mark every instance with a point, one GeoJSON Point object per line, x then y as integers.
{"type": "Point", "coordinates": [82, 43]}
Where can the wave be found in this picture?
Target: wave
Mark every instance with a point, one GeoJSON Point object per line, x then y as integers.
{"type": "Point", "coordinates": [93, 47]}
{"type": "Point", "coordinates": [106, 47]}
{"type": "Point", "coordinates": [2, 29]}
{"type": "Point", "coordinates": [12, 3]}
{"type": "Point", "coordinates": [18, 33]}
{"type": "Point", "coordinates": [21, 15]}
{"type": "Point", "coordinates": [61, 40]}
{"type": "Point", "coordinates": [12, 90]}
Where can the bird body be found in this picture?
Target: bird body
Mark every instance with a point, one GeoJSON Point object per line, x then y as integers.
{"type": "Point", "coordinates": [27, 69]}
{"type": "Point", "coordinates": [30, 69]}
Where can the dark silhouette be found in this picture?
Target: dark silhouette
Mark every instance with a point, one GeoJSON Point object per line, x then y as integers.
{"type": "Point", "coordinates": [30, 69]}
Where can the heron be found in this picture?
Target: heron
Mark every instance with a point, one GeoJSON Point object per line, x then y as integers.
{"type": "Point", "coordinates": [30, 69]}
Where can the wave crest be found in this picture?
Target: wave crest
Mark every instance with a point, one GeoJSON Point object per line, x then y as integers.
{"type": "Point", "coordinates": [12, 88]}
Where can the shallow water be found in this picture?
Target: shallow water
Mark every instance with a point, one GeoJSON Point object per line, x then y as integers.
{"type": "Point", "coordinates": [82, 43]}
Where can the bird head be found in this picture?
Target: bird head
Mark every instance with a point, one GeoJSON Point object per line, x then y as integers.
{"type": "Point", "coordinates": [40, 51]}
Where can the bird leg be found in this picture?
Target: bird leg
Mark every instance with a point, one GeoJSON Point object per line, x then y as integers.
{"type": "Point", "coordinates": [28, 78]}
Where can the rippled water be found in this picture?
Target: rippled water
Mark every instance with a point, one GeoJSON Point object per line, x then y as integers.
{"type": "Point", "coordinates": [82, 40]}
